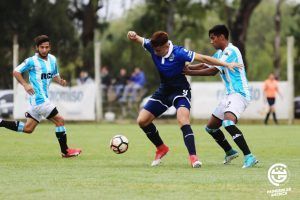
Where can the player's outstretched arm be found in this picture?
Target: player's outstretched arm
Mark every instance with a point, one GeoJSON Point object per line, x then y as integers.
{"type": "Point", "coordinates": [213, 61]}
{"type": "Point", "coordinates": [133, 36]}
{"type": "Point", "coordinates": [28, 88]}
{"type": "Point", "coordinates": [207, 71]}
{"type": "Point", "coordinates": [197, 66]}
{"type": "Point", "coordinates": [60, 81]}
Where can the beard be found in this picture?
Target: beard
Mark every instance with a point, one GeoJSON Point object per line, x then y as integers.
{"type": "Point", "coordinates": [43, 56]}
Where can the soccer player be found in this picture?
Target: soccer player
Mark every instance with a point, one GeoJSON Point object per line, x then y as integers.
{"type": "Point", "coordinates": [42, 68]}
{"type": "Point", "coordinates": [174, 90]}
{"type": "Point", "coordinates": [270, 91]}
{"type": "Point", "coordinates": [236, 99]}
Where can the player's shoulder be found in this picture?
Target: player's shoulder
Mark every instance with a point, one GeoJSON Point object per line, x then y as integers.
{"type": "Point", "coordinates": [179, 50]}
{"type": "Point", "coordinates": [30, 60]}
{"type": "Point", "coordinates": [52, 56]}
{"type": "Point", "coordinates": [231, 49]}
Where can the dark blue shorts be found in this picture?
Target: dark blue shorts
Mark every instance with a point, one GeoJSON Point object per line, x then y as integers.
{"type": "Point", "coordinates": [164, 98]}
{"type": "Point", "coordinates": [271, 101]}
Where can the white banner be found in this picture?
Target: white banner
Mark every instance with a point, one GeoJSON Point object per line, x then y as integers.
{"type": "Point", "coordinates": [207, 95]}
{"type": "Point", "coordinates": [73, 103]}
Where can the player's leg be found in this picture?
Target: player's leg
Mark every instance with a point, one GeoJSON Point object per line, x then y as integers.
{"type": "Point", "coordinates": [236, 105]}
{"type": "Point", "coordinates": [273, 112]}
{"type": "Point", "coordinates": [213, 128]}
{"type": "Point", "coordinates": [153, 109]}
{"type": "Point", "coordinates": [182, 106]}
{"type": "Point", "coordinates": [270, 103]}
{"type": "Point", "coordinates": [19, 126]}
{"type": "Point", "coordinates": [61, 135]}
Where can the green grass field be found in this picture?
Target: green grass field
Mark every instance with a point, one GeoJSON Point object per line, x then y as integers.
{"type": "Point", "coordinates": [31, 166]}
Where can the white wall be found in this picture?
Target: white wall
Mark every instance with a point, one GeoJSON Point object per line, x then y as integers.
{"type": "Point", "coordinates": [73, 103]}
{"type": "Point", "coordinates": [207, 95]}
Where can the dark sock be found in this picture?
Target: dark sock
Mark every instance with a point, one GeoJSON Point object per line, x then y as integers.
{"type": "Point", "coordinates": [219, 137]}
{"type": "Point", "coordinates": [238, 138]}
{"type": "Point", "coordinates": [275, 118]}
{"type": "Point", "coordinates": [12, 125]}
{"type": "Point", "coordinates": [267, 117]}
{"type": "Point", "coordinates": [152, 134]}
{"type": "Point", "coordinates": [62, 138]}
{"type": "Point", "coordinates": [189, 140]}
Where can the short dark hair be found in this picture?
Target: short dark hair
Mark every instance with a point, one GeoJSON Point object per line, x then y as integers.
{"type": "Point", "coordinates": [41, 39]}
{"type": "Point", "coordinates": [159, 38]}
{"type": "Point", "coordinates": [219, 30]}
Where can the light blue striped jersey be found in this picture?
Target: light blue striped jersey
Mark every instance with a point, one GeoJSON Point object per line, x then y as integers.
{"type": "Point", "coordinates": [234, 81]}
{"type": "Point", "coordinates": [40, 73]}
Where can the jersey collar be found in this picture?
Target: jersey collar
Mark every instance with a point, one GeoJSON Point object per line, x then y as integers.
{"type": "Point", "coordinates": [170, 49]}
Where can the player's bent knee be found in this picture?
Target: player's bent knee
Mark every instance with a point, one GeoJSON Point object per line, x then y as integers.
{"type": "Point", "coordinates": [142, 122]}
{"type": "Point", "coordinates": [183, 121]}
{"type": "Point", "coordinates": [28, 130]}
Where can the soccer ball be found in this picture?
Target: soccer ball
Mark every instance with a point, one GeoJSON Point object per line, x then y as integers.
{"type": "Point", "coordinates": [119, 144]}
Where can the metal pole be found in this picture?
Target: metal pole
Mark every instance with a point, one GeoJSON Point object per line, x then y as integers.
{"type": "Point", "coordinates": [15, 62]}
{"type": "Point", "coordinates": [290, 76]}
{"type": "Point", "coordinates": [97, 63]}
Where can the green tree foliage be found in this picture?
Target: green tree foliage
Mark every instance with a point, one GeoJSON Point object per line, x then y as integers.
{"type": "Point", "coordinates": [30, 18]}
{"type": "Point", "coordinates": [145, 20]}
{"type": "Point", "coordinates": [295, 31]}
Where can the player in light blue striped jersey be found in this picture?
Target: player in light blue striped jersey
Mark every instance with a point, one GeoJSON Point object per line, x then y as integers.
{"type": "Point", "coordinates": [42, 69]}
{"type": "Point", "coordinates": [236, 99]}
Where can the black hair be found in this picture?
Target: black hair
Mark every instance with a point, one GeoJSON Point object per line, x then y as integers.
{"type": "Point", "coordinates": [41, 39]}
{"type": "Point", "coordinates": [219, 30]}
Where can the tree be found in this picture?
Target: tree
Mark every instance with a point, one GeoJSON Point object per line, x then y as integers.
{"type": "Point", "coordinates": [86, 18]}
{"type": "Point", "coordinates": [277, 39]}
{"type": "Point", "coordinates": [27, 19]}
{"type": "Point", "coordinates": [237, 14]}
{"type": "Point", "coordinates": [295, 31]}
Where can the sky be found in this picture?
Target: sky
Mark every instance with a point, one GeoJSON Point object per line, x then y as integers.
{"type": "Point", "coordinates": [116, 8]}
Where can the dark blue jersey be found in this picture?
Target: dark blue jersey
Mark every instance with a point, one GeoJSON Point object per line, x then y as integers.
{"type": "Point", "coordinates": [171, 65]}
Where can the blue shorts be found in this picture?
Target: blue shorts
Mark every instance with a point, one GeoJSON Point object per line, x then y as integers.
{"type": "Point", "coordinates": [164, 98]}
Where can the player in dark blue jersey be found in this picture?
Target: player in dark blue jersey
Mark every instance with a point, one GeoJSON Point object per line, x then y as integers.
{"type": "Point", "coordinates": [174, 90]}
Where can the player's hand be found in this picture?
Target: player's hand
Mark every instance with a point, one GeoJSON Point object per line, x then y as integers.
{"type": "Point", "coordinates": [232, 65]}
{"type": "Point", "coordinates": [29, 89]}
{"type": "Point", "coordinates": [186, 69]}
{"type": "Point", "coordinates": [131, 35]}
{"type": "Point", "coordinates": [63, 82]}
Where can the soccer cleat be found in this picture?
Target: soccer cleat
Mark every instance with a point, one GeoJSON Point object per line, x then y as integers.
{"type": "Point", "coordinates": [249, 161]}
{"type": "Point", "coordinates": [71, 153]}
{"type": "Point", "coordinates": [161, 151]}
{"type": "Point", "coordinates": [230, 155]}
{"type": "Point", "coordinates": [195, 161]}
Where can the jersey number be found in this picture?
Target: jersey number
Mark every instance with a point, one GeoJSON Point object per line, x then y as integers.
{"type": "Point", "coordinates": [184, 92]}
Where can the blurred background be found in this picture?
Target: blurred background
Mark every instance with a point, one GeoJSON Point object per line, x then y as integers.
{"type": "Point", "coordinates": [258, 27]}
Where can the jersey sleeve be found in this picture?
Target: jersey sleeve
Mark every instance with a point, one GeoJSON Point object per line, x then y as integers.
{"type": "Point", "coordinates": [55, 72]}
{"type": "Point", "coordinates": [186, 55]}
{"type": "Point", "coordinates": [25, 66]}
{"type": "Point", "coordinates": [147, 45]}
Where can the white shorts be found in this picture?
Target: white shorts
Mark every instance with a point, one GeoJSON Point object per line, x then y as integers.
{"type": "Point", "coordinates": [40, 111]}
{"type": "Point", "coordinates": [234, 103]}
